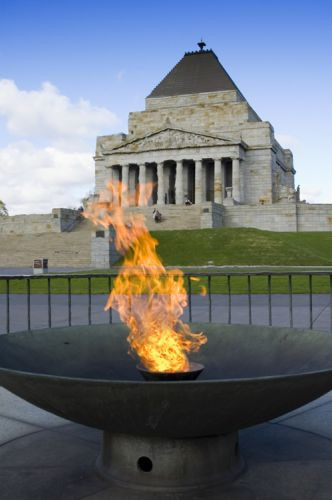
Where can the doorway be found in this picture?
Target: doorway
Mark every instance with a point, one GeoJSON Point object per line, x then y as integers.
{"type": "Point", "coordinates": [170, 173]}
{"type": "Point", "coordinates": [228, 173]}
{"type": "Point", "coordinates": [190, 184]}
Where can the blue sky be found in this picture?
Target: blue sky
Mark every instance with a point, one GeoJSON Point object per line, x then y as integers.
{"type": "Point", "coordinates": [101, 58]}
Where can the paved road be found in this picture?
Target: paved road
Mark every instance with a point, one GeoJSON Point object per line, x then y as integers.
{"type": "Point", "coordinates": [200, 307]}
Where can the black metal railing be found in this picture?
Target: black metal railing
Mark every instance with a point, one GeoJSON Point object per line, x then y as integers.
{"type": "Point", "coordinates": [36, 301]}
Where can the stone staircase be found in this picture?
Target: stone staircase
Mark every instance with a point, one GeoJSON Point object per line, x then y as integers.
{"type": "Point", "coordinates": [173, 217]}
{"type": "Point", "coordinates": [66, 249]}
{"type": "Point", "coordinates": [73, 248]}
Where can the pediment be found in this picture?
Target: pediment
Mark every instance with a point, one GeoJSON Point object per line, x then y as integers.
{"type": "Point", "coordinates": [170, 138]}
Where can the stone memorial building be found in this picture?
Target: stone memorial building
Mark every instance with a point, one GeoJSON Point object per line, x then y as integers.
{"type": "Point", "coordinates": [199, 141]}
{"type": "Point", "coordinates": [198, 138]}
{"type": "Point", "coordinates": [212, 161]}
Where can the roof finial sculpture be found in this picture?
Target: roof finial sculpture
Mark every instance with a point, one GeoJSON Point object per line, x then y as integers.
{"type": "Point", "coordinates": [201, 45]}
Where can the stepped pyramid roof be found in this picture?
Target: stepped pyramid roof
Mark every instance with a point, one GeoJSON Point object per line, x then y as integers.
{"type": "Point", "coordinates": [196, 72]}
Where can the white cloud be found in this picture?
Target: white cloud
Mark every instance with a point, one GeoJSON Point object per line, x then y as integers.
{"type": "Point", "coordinates": [35, 180]}
{"type": "Point", "coordinates": [287, 140]}
{"type": "Point", "coordinates": [315, 195]}
{"type": "Point", "coordinates": [51, 165]}
{"type": "Point", "coordinates": [47, 114]}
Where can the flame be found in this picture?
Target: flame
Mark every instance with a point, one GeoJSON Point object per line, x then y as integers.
{"type": "Point", "coordinates": [148, 299]}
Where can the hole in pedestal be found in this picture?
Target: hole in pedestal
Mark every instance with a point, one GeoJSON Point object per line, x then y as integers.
{"type": "Point", "coordinates": [144, 464]}
{"type": "Point", "coordinates": [236, 448]}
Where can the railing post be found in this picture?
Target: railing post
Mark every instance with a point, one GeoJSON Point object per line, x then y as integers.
{"type": "Point", "coordinates": [7, 307]}
{"type": "Point", "coordinates": [69, 301]}
{"type": "Point", "coordinates": [249, 299]}
{"type": "Point", "coordinates": [189, 299]}
{"type": "Point", "coordinates": [330, 302]}
{"type": "Point", "coordinates": [229, 299]}
{"type": "Point", "coordinates": [290, 294]}
{"type": "Point", "coordinates": [49, 305]}
{"type": "Point", "coordinates": [28, 305]}
{"type": "Point", "coordinates": [310, 302]}
{"type": "Point", "coordinates": [110, 314]}
{"type": "Point", "coordinates": [269, 298]}
{"type": "Point", "coordinates": [210, 299]}
{"type": "Point", "coordinates": [89, 300]}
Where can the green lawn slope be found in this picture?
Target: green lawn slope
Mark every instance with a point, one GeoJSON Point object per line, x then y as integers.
{"type": "Point", "coordinates": [244, 246]}
{"type": "Point", "coordinates": [220, 247]}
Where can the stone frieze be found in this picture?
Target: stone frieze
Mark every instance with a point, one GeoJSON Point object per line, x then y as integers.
{"type": "Point", "coordinates": [170, 139]}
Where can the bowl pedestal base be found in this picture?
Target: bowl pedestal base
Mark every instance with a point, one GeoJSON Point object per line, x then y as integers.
{"type": "Point", "coordinates": [168, 464]}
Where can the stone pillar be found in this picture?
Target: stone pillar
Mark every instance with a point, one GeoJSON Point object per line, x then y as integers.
{"type": "Point", "coordinates": [142, 182]}
{"type": "Point", "coordinates": [125, 186]}
{"type": "Point", "coordinates": [179, 183]}
{"type": "Point", "coordinates": [115, 179]}
{"type": "Point", "coordinates": [198, 181]}
{"type": "Point", "coordinates": [161, 189]}
{"type": "Point", "coordinates": [218, 186]}
{"type": "Point", "coordinates": [223, 180]}
{"type": "Point", "coordinates": [236, 180]}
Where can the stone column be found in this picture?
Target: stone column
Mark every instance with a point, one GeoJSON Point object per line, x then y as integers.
{"type": "Point", "coordinates": [125, 186]}
{"type": "Point", "coordinates": [236, 180]}
{"type": "Point", "coordinates": [161, 189]}
{"type": "Point", "coordinates": [179, 183]}
{"type": "Point", "coordinates": [198, 181]}
{"type": "Point", "coordinates": [223, 180]}
{"type": "Point", "coordinates": [218, 180]}
{"type": "Point", "coordinates": [142, 182]}
{"type": "Point", "coordinates": [115, 179]}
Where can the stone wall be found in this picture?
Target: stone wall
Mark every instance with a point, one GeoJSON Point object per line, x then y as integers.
{"type": "Point", "coordinates": [66, 249]}
{"type": "Point", "coordinates": [177, 101]}
{"type": "Point", "coordinates": [314, 217]}
{"type": "Point", "coordinates": [211, 215]}
{"type": "Point", "coordinates": [276, 217]}
{"type": "Point", "coordinates": [280, 217]}
{"type": "Point", "coordinates": [109, 142]}
{"type": "Point", "coordinates": [257, 176]}
{"type": "Point", "coordinates": [204, 118]}
{"type": "Point", "coordinates": [102, 174]}
{"type": "Point", "coordinates": [103, 251]}
{"type": "Point", "coordinates": [60, 220]}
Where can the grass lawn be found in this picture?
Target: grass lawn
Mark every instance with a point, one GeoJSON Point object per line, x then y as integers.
{"type": "Point", "coordinates": [244, 246]}
{"type": "Point", "coordinates": [221, 247]}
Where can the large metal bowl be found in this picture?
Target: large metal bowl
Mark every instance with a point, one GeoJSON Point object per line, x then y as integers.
{"type": "Point", "coordinates": [252, 374]}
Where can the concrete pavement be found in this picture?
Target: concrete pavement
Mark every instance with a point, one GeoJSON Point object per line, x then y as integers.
{"type": "Point", "coordinates": [43, 457]}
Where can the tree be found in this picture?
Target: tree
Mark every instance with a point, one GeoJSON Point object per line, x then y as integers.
{"type": "Point", "coordinates": [3, 209]}
{"type": "Point", "coordinates": [90, 196]}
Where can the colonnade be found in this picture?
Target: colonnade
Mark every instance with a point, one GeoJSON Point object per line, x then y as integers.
{"type": "Point", "coordinates": [220, 188]}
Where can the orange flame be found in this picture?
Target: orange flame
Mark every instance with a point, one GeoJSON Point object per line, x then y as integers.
{"type": "Point", "coordinates": [149, 299]}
